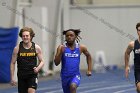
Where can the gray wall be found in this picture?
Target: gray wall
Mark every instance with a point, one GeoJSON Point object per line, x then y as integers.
{"type": "Point", "coordinates": [53, 9]}
{"type": "Point", "coordinates": [7, 16]}
{"type": "Point", "coordinates": [105, 28]}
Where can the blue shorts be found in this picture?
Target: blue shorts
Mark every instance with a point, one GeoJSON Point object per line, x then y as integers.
{"type": "Point", "coordinates": [67, 81]}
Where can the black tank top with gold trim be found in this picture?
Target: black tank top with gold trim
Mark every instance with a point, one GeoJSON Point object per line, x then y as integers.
{"type": "Point", "coordinates": [26, 60]}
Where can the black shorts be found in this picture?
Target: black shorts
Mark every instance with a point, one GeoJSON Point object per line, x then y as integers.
{"type": "Point", "coordinates": [27, 82]}
{"type": "Point", "coordinates": [137, 75]}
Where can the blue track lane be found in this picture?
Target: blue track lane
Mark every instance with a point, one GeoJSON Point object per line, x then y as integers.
{"type": "Point", "coordinates": [108, 82]}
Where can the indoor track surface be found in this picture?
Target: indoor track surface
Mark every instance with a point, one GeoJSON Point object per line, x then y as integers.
{"type": "Point", "coordinates": [108, 82]}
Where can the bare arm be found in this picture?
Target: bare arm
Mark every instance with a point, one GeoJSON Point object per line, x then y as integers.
{"type": "Point", "coordinates": [58, 55]}
{"type": "Point", "coordinates": [40, 59]}
{"type": "Point", "coordinates": [12, 65]}
{"type": "Point", "coordinates": [127, 57]}
{"type": "Point", "coordinates": [88, 58]}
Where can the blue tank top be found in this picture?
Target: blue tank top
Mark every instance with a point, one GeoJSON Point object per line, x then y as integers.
{"type": "Point", "coordinates": [136, 54]}
{"type": "Point", "coordinates": [70, 61]}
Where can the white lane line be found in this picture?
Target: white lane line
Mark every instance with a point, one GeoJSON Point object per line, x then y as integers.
{"type": "Point", "coordinates": [121, 91]}
{"type": "Point", "coordinates": [56, 91]}
{"type": "Point", "coordinates": [92, 83]}
{"type": "Point", "coordinates": [112, 87]}
{"type": "Point", "coordinates": [95, 84]}
{"type": "Point", "coordinates": [82, 86]}
{"type": "Point", "coordinates": [100, 83]}
{"type": "Point", "coordinates": [46, 88]}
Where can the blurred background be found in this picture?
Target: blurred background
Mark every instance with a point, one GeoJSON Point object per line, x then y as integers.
{"type": "Point", "coordinates": [107, 27]}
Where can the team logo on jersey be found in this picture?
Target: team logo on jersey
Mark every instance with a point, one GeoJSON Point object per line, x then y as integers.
{"type": "Point", "coordinates": [27, 54]}
{"type": "Point", "coordinates": [137, 51]}
{"type": "Point", "coordinates": [78, 77]}
{"type": "Point", "coordinates": [71, 55]}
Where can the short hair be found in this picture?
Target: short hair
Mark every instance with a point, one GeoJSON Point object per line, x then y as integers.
{"type": "Point", "coordinates": [76, 31]}
{"type": "Point", "coordinates": [30, 30]}
{"type": "Point", "coordinates": [138, 25]}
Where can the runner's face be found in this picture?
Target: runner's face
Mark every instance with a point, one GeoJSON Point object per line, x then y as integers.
{"type": "Point", "coordinates": [138, 31]}
{"type": "Point", "coordinates": [70, 37]}
{"type": "Point", "coordinates": [26, 37]}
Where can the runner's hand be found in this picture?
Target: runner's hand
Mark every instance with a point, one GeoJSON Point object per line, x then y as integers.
{"type": "Point", "coordinates": [36, 70]}
{"type": "Point", "coordinates": [127, 71]}
{"type": "Point", "coordinates": [13, 82]}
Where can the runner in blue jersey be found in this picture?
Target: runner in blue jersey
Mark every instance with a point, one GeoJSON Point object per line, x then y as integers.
{"type": "Point", "coordinates": [69, 56]}
{"type": "Point", "coordinates": [135, 47]}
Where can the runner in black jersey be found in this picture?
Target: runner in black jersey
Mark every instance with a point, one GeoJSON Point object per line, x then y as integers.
{"type": "Point", "coordinates": [135, 46]}
{"type": "Point", "coordinates": [26, 54]}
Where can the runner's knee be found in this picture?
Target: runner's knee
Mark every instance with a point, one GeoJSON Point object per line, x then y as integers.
{"type": "Point", "coordinates": [73, 87]}
{"type": "Point", "coordinates": [138, 87]}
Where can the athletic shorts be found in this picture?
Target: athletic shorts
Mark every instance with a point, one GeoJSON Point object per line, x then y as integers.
{"type": "Point", "coordinates": [27, 82]}
{"type": "Point", "coordinates": [67, 81]}
{"type": "Point", "coordinates": [137, 75]}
